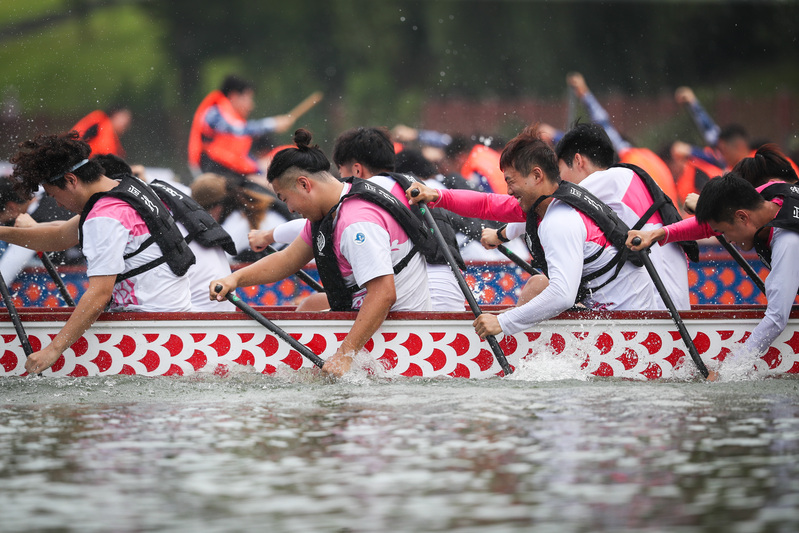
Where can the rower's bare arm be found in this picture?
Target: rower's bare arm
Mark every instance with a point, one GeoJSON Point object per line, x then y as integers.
{"type": "Point", "coordinates": [648, 238]}
{"type": "Point", "coordinates": [91, 304]}
{"type": "Point", "coordinates": [47, 237]}
{"type": "Point", "coordinates": [269, 269]}
{"type": "Point", "coordinates": [425, 194]}
{"type": "Point", "coordinates": [380, 296]}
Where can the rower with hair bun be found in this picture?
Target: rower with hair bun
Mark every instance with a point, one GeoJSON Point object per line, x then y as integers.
{"type": "Point", "coordinates": [365, 257]}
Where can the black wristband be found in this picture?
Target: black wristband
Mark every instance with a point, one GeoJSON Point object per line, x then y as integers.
{"type": "Point", "coordinates": [499, 233]}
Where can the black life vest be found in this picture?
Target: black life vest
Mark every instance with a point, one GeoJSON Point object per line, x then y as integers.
{"type": "Point", "coordinates": [163, 231]}
{"type": "Point", "coordinates": [787, 217]}
{"type": "Point", "coordinates": [445, 221]}
{"type": "Point", "coordinates": [614, 229]}
{"type": "Point", "coordinates": [662, 204]}
{"type": "Point", "coordinates": [198, 222]}
{"type": "Point", "coordinates": [339, 295]}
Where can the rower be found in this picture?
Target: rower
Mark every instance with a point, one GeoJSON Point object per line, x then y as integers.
{"type": "Point", "coordinates": [366, 259]}
{"type": "Point", "coordinates": [136, 257]}
{"type": "Point", "coordinates": [586, 156]}
{"type": "Point", "coordinates": [576, 239]}
{"type": "Point", "coordinates": [761, 218]}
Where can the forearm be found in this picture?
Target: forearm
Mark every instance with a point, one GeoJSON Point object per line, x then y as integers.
{"type": "Point", "coordinates": [499, 207]}
{"type": "Point", "coordinates": [601, 117]}
{"type": "Point", "coordinates": [706, 125]}
{"type": "Point", "coordinates": [371, 316]}
{"type": "Point", "coordinates": [686, 230]}
{"type": "Point", "coordinates": [43, 237]}
{"type": "Point", "coordinates": [91, 304]}
{"type": "Point", "coordinates": [274, 267]}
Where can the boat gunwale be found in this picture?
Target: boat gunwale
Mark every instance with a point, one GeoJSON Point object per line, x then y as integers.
{"type": "Point", "coordinates": [698, 313]}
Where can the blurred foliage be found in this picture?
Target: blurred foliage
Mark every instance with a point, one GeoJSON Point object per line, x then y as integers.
{"type": "Point", "coordinates": [377, 62]}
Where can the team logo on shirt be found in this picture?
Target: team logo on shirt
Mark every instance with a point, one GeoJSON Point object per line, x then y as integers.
{"type": "Point", "coordinates": [320, 242]}
{"type": "Point", "coordinates": [359, 238]}
{"type": "Point", "coordinates": [795, 212]}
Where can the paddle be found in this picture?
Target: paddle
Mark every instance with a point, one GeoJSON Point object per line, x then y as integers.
{"type": "Point", "coordinates": [743, 263]}
{"type": "Point", "coordinates": [306, 105]}
{"type": "Point", "coordinates": [301, 274]}
{"type": "Point", "coordinates": [527, 267]}
{"type": "Point", "coordinates": [261, 319]}
{"type": "Point", "coordinates": [689, 343]}
{"type": "Point", "coordinates": [467, 292]}
{"type": "Point", "coordinates": [12, 311]}
{"type": "Point", "coordinates": [50, 267]}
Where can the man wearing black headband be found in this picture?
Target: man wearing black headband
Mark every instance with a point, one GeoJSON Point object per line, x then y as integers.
{"type": "Point", "coordinates": [136, 257]}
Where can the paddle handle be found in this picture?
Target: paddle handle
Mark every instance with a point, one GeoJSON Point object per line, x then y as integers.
{"type": "Point", "coordinates": [689, 343]}
{"type": "Point", "coordinates": [50, 267]}
{"type": "Point", "coordinates": [524, 265]}
{"type": "Point", "coordinates": [467, 292]}
{"type": "Point", "coordinates": [12, 311]}
{"type": "Point", "coordinates": [271, 326]}
{"type": "Point", "coordinates": [743, 263]}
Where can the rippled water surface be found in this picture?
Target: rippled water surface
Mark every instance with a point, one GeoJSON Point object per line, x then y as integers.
{"type": "Point", "coordinates": [302, 453]}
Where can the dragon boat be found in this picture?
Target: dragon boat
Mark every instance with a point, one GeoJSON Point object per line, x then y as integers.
{"type": "Point", "coordinates": [628, 345]}
{"type": "Point", "coordinates": [631, 345]}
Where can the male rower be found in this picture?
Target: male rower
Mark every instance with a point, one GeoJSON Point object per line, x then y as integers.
{"type": "Point", "coordinates": [586, 157]}
{"type": "Point", "coordinates": [575, 238]}
{"type": "Point", "coordinates": [136, 257]}
{"type": "Point", "coordinates": [766, 221]}
{"type": "Point", "coordinates": [365, 257]}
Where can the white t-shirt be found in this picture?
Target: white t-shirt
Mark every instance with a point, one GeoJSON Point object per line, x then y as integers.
{"type": "Point", "coordinates": [629, 198]}
{"type": "Point", "coordinates": [566, 241]}
{"type": "Point", "coordinates": [368, 242]}
{"type": "Point", "coordinates": [212, 264]}
{"type": "Point", "coordinates": [113, 229]}
{"type": "Point", "coordinates": [782, 284]}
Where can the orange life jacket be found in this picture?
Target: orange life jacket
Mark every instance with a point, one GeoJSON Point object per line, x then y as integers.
{"type": "Point", "coordinates": [227, 149]}
{"type": "Point", "coordinates": [694, 175]}
{"type": "Point", "coordinates": [483, 162]}
{"type": "Point", "coordinates": [96, 130]}
{"type": "Point", "coordinates": [654, 165]}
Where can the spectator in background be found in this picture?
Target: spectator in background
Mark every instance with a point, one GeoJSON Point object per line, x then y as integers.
{"type": "Point", "coordinates": [725, 146]}
{"type": "Point", "coordinates": [101, 130]}
{"type": "Point", "coordinates": [641, 157]}
{"type": "Point", "coordinates": [221, 135]}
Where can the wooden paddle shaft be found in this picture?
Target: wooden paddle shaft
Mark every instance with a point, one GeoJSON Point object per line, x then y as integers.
{"type": "Point", "coordinates": [306, 105]}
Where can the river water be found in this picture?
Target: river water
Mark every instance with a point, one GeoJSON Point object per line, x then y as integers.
{"type": "Point", "coordinates": [299, 452]}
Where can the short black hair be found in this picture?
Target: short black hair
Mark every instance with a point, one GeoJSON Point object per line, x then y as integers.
{"type": "Point", "coordinates": [731, 132]}
{"type": "Point", "coordinates": [527, 151]}
{"type": "Point", "coordinates": [371, 147]}
{"type": "Point", "coordinates": [412, 161]}
{"type": "Point", "coordinates": [235, 84]}
{"type": "Point", "coordinates": [721, 197]}
{"type": "Point", "coordinates": [589, 140]}
{"type": "Point", "coordinates": [114, 166]}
